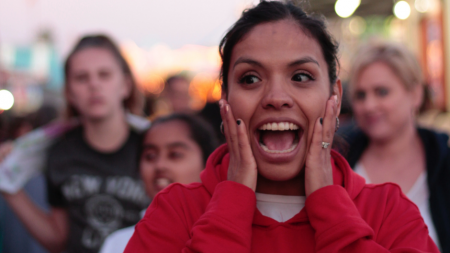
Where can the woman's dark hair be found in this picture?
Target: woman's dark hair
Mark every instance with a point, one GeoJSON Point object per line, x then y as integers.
{"type": "Point", "coordinates": [133, 103]}
{"type": "Point", "coordinates": [200, 130]}
{"type": "Point", "coordinates": [266, 12]}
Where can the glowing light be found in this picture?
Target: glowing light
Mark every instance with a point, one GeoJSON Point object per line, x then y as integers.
{"type": "Point", "coordinates": [204, 87]}
{"type": "Point", "coordinates": [6, 100]}
{"type": "Point", "coordinates": [357, 25]}
{"type": "Point", "coordinates": [345, 8]}
{"type": "Point", "coordinates": [422, 5]}
{"type": "Point", "coordinates": [402, 10]}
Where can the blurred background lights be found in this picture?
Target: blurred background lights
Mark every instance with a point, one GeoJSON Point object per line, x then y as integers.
{"type": "Point", "coordinates": [357, 25]}
{"type": "Point", "coordinates": [422, 5]}
{"type": "Point", "coordinates": [345, 8]}
{"type": "Point", "coordinates": [402, 10]}
{"type": "Point", "coordinates": [6, 100]}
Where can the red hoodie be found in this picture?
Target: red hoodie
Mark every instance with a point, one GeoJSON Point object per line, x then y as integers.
{"type": "Point", "coordinates": [221, 216]}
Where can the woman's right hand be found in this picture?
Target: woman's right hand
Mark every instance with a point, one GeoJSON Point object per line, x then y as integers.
{"type": "Point", "coordinates": [242, 167]}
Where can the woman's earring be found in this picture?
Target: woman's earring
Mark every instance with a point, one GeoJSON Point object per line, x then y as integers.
{"type": "Point", "coordinates": [221, 127]}
{"type": "Point", "coordinates": [337, 124]}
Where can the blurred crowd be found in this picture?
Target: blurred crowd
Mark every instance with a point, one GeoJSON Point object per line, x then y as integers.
{"type": "Point", "coordinates": [101, 172]}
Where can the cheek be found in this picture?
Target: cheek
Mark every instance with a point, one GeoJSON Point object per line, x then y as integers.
{"type": "Point", "coordinates": [188, 171]}
{"type": "Point", "coordinates": [147, 171]}
{"type": "Point", "coordinates": [399, 109]}
{"type": "Point", "coordinates": [243, 105]}
{"type": "Point", "coordinates": [358, 108]}
{"type": "Point", "coordinates": [313, 111]}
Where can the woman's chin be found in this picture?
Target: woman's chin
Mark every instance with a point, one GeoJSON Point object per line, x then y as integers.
{"type": "Point", "coordinates": [280, 172]}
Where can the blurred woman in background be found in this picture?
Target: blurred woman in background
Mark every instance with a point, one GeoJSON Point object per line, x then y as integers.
{"type": "Point", "coordinates": [386, 90]}
{"type": "Point", "coordinates": [174, 150]}
{"type": "Point", "coordinates": [93, 179]}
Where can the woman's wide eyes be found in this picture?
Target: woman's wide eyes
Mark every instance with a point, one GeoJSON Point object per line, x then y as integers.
{"type": "Point", "coordinates": [249, 79]}
{"type": "Point", "coordinates": [382, 92]}
{"type": "Point", "coordinates": [301, 77]}
{"type": "Point", "coordinates": [176, 155]}
{"type": "Point", "coordinates": [150, 156]}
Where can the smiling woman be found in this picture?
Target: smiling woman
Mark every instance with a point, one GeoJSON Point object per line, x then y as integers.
{"type": "Point", "coordinates": [277, 186]}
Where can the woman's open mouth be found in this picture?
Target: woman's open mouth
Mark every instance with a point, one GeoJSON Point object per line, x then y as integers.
{"type": "Point", "coordinates": [161, 183]}
{"type": "Point", "coordinates": [279, 137]}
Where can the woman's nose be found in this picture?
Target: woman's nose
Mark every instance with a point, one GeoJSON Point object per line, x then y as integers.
{"type": "Point", "coordinates": [369, 103]}
{"type": "Point", "coordinates": [277, 97]}
{"type": "Point", "coordinates": [163, 164]}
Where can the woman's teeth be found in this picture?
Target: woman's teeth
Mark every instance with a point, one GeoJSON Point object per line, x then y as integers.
{"type": "Point", "coordinates": [162, 182]}
{"type": "Point", "coordinates": [278, 126]}
{"type": "Point", "coordinates": [281, 126]}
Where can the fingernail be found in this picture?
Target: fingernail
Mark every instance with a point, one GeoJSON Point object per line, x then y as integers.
{"type": "Point", "coordinates": [321, 121]}
{"type": "Point", "coordinates": [238, 121]}
{"type": "Point", "coordinates": [227, 108]}
{"type": "Point", "coordinates": [221, 103]}
{"type": "Point", "coordinates": [335, 99]}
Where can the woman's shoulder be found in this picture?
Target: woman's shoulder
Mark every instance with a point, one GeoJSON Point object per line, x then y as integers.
{"type": "Point", "coordinates": [182, 194]}
{"type": "Point", "coordinates": [71, 138]}
{"type": "Point", "coordinates": [388, 199]}
{"type": "Point", "coordinates": [183, 202]}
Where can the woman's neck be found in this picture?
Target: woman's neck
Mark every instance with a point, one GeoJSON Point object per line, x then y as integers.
{"type": "Point", "coordinates": [292, 187]}
{"type": "Point", "coordinates": [403, 141]}
{"type": "Point", "coordinates": [107, 134]}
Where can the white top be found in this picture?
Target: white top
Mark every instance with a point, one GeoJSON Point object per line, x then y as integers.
{"type": "Point", "coordinates": [117, 241]}
{"type": "Point", "coordinates": [418, 194]}
{"type": "Point", "coordinates": [279, 207]}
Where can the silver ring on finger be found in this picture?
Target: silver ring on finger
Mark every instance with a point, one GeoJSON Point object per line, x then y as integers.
{"type": "Point", "coordinates": [325, 145]}
{"type": "Point", "coordinates": [221, 127]}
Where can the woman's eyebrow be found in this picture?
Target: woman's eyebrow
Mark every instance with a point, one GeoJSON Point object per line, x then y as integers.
{"type": "Point", "coordinates": [178, 144]}
{"type": "Point", "coordinates": [301, 61]}
{"type": "Point", "coordinates": [248, 61]}
{"type": "Point", "coordinates": [149, 146]}
{"type": "Point", "coordinates": [304, 60]}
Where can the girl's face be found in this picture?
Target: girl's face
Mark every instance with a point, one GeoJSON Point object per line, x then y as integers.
{"type": "Point", "coordinates": [97, 86]}
{"type": "Point", "coordinates": [169, 156]}
{"type": "Point", "coordinates": [381, 103]}
{"type": "Point", "coordinates": [279, 79]}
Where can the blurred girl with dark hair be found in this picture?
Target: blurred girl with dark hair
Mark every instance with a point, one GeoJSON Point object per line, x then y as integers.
{"type": "Point", "coordinates": [174, 150]}
{"type": "Point", "coordinates": [277, 186]}
{"type": "Point", "coordinates": [92, 171]}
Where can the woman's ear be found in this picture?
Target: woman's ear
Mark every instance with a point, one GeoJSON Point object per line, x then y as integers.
{"type": "Point", "coordinates": [417, 96]}
{"type": "Point", "coordinates": [337, 90]}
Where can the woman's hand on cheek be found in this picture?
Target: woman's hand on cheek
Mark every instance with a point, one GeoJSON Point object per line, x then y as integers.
{"type": "Point", "coordinates": [318, 169]}
{"type": "Point", "coordinates": [242, 168]}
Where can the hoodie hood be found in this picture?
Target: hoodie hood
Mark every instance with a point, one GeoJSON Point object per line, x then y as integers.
{"type": "Point", "coordinates": [217, 168]}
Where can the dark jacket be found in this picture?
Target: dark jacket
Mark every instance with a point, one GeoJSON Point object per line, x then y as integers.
{"type": "Point", "coordinates": [438, 169]}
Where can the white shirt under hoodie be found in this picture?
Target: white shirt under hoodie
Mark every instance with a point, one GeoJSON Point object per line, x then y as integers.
{"type": "Point", "coordinates": [418, 194]}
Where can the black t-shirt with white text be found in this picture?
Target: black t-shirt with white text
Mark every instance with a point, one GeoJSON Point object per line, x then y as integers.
{"type": "Point", "coordinates": [102, 192]}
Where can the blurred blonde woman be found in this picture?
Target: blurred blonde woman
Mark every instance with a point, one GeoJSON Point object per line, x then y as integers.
{"type": "Point", "coordinates": [386, 90]}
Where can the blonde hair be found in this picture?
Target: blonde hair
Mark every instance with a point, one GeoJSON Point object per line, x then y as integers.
{"type": "Point", "coordinates": [399, 59]}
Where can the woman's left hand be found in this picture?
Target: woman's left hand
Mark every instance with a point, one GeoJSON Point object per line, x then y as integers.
{"type": "Point", "coordinates": [318, 169]}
